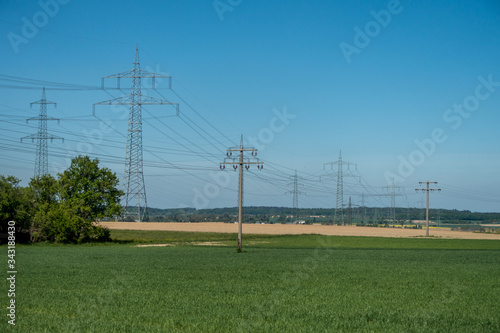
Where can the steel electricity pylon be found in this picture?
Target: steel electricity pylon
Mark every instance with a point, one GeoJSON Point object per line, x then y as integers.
{"type": "Point", "coordinates": [295, 194]}
{"type": "Point", "coordinates": [364, 208]}
{"type": "Point", "coordinates": [349, 212]}
{"type": "Point", "coordinates": [239, 162]}
{"type": "Point", "coordinates": [135, 190]}
{"type": "Point", "coordinates": [340, 174]}
{"type": "Point", "coordinates": [42, 149]}
{"type": "Point", "coordinates": [393, 194]}
{"type": "Point", "coordinates": [427, 210]}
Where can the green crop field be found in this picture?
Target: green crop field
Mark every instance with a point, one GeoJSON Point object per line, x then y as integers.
{"type": "Point", "coordinates": [303, 283]}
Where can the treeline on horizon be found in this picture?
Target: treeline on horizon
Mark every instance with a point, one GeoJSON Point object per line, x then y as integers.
{"type": "Point", "coordinates": [355, 215]}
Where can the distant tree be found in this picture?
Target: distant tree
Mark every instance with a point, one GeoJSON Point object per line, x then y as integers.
{"type": "Point", "coordinates": [129, 218]}
{"type": "Point", "coordinates": [263, 218]}
{"type": "Point", "coordinates": [194, 218]}
{"type": "Point", "coordinates": [249, 219]}
{"type": "Point", "coordinates": [225, 217]}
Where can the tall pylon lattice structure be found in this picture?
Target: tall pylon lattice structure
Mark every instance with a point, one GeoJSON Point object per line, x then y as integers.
{"type": "Point", "coordinates": [349, 211]}
{"type": "Point", "coordinates": [393, 195]}
{"type": "Point", "coordinates": [340, 174]}
{"type": "Point", "coordinates": [136, 203]}
{"type": "Point", "coordinates": [363, 220]}
{"type": "Point", "coordinates": [295, 194]}
{"type": "Point", "coordinates": [42, 136]}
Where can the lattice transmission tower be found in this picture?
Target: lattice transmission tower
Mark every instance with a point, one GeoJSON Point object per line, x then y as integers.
{"type": "Point", "coordinates": [363, 220]}
{"type": "Point", "coordinates": [339, 207]}
{"type": "Point", "coordinates": [42, 136]}
{"type": "Point", "coordinates": [393, 195]}
{"type": "Point", "coordinates": [295, 194]}
{"type": "Point", "coordinates": [136, 204]}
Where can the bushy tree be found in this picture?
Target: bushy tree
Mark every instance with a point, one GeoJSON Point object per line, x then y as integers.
{"type": "Point", "coordinates": [90, 190]}
{"type": "Point", "coordinates": [64, 209]}
{"type": "Point", "coordinates": [15, 205]}
{"type": "Point", "coordinates": [44, 191]}
{"type": "Point", "coordinates": [61, 224]}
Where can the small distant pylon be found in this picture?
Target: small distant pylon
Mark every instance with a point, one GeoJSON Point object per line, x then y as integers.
{"type": "Point", "coordinates": [364, 208]}
{"type": "Point", "coordinates": [393, 194]}
{"type": "Point", "coordinates": [339, 208]}
{"type": "Point", "coordinates": [349, 211]}
{"type": "Point", "coordinates": [295, 194]}
{"type": "Point", "coordinates": [42, 149]}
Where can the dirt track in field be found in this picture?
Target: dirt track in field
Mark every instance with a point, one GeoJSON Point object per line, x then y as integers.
{"type": "Point", "coordinates": [288, 229]}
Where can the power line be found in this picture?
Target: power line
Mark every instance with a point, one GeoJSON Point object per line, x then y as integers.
{"type": "Point", "coordinates": [27, 83]}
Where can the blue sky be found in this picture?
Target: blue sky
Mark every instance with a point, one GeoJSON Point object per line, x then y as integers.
{"type": "Point", "coordinates": [237, 65]}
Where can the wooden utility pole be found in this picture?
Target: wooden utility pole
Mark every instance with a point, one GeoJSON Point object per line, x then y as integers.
{"type": "Point", "coordinates": [427, 210]}
{"type": "Point", "coordinates": [240, 162]}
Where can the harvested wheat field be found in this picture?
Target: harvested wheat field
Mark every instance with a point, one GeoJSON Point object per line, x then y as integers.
{"type": "Point", "coordinates": [292, 229]}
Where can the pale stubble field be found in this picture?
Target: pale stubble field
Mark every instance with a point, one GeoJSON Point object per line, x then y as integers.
{"type": "Point", "coordinates": [292, 229]}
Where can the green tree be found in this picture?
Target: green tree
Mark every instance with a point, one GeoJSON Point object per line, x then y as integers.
{"type": "Point", "coordinates": [45, 194]}
{"type": "Point", "coordinates": [15, 205]}
{"type": "Point", "coordinates": [90, 190]}
{"type": "Point", "coordinates": [45, 189]}
{"type": "Point", "coordinates": [65, 209]}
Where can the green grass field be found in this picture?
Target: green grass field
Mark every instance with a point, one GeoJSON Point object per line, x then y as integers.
{"type": "Point", "coordinates": [305, 283]}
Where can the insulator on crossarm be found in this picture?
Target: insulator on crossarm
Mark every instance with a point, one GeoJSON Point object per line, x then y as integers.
{"type": "Point", "coordinates": [254, 153]}
{"type": "Point", "coordinates": [235, 167]}
{"type": "Point", "coordinates": [222, 167]}
{"type": "Point", "coordinates": [247, 166]}
{"type": "Point", "coordinates": [229, 154]}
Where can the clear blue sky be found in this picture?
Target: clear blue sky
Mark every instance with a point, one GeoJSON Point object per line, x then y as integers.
{"type": "Point", "coordinates": [408, 90]}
